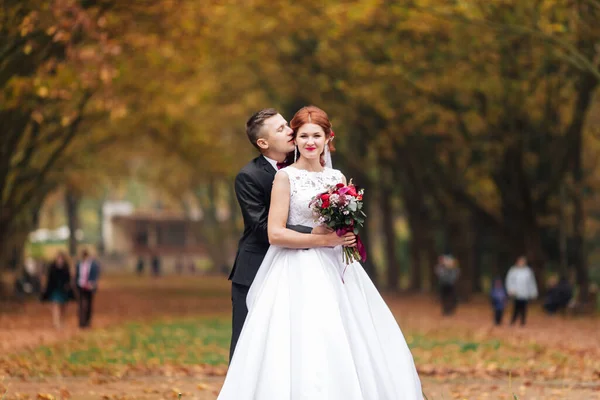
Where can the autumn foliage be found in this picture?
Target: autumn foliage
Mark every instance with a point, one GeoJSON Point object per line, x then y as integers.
{"type": "Point", "coordinates": [471, 120]}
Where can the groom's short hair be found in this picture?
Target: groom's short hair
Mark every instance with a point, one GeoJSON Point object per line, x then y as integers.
{"type": "Point", "coordinates": [256, 122]}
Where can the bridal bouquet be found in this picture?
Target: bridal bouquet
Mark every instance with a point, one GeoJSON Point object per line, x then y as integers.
{"type": "Point", "coordinates": [340, 208]}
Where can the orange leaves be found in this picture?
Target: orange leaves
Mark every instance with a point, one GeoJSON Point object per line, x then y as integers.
{"type": "Point", "coordinates": [179, 344]}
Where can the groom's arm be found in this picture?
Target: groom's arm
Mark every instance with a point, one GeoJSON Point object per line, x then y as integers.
{"type": "Point", "coordinates": [251, 198]}
{"type": "Point", "coordinates": [300, 228]}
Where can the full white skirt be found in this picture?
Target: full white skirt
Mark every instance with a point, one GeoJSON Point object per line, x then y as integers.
{"type": "Point", "coordinates": [308, 335]}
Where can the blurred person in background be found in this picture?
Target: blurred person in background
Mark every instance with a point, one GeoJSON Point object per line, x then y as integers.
{"type": "Point", "coordinates": [499, 298]}
{"type": "Point", "coordinates": [59, 289]}
{"type": "Point", "coordinates": [192, 267]}
{"type": "Point", "coordinates": [521, 286]}
{"type": "Point", "coordinates": [155, 265]}
{"type": "Point", "coordinates": [86, 277]}
{"type": "Point", "coordinates": [179, 265]}
{"type": "Point", "coordinates": [28, 282]}
{"type": "Point", "coordinates": [447, 273]}
{"type": "Point", "coordinates": [140, 266]}
{"type": "Point", "coordinates": [559, 296]}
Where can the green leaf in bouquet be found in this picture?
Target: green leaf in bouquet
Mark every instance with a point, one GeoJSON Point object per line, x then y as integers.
{"type": "Point", "coordinates": [355, 230]}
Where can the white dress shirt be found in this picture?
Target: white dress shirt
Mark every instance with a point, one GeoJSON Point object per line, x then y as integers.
{"type": "Point", "coordinates": [272, 162]}
{"type": "Point", "coordinates": [84, 272]}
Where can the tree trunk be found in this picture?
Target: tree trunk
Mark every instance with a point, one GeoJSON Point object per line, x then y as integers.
{"type": "Point", "coordinates": [5, 251]}
{"type": "Point", "coordinates": [100, 214]}
{"type": "Point", "coordinates": [535, 255]}
{"type": "Point", "coordinates": [389, 239]}
{"type": "Point", "coordinates": [211, 230]}
{"type": "Point", "coordinates": [479, 233]}
{"type": "Point", "coordinates": [417, 242]}
{"type": "Point", "coordinates": [431, 257]}
{"type": "Point", "coordinates": [562, 233]}
{"type": "Point", "coordinates": [416, 275]}
{"type": "Point", "coordinates": [72, 200]}
{"type": "Point", "coordinates": [579, 252]}
{"type": "Point", "coordinates": [460, 237]}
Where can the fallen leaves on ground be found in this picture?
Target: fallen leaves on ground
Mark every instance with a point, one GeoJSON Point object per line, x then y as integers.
{"type": "Point", "coordinates": [177, 327]}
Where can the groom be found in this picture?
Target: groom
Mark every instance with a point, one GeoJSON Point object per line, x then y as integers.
{"type": "Point", "coordinates": [269, 132]}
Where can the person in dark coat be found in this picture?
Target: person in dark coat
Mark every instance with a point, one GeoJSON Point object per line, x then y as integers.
{"type": "Point", "coordinates": [140, 266]}
{"type": "Point", "coordinates": [447, 273]}
{"type": "Point", "coordinates": [156, 265]}
{"type": "Point", "coordinates": [559, 296]}
{"type": "Point", "coordinates": [59, 289]}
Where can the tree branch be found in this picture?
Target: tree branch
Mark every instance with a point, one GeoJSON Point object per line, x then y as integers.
{"type": "Point", "coordinates": [16, 207]}
{"type": "Point", "coordinates": [578, 59]}
{"type": "Point", "coordinates": [586, 88]}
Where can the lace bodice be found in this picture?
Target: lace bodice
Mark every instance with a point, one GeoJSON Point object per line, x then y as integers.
{"type": "Point", "coordinates": [304, 186]}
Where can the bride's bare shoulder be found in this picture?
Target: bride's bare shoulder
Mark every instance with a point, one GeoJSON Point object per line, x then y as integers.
{"type": "Point", "coordinates": [282, 177]}
{"type": "Point", "coordinates": [338, 174]}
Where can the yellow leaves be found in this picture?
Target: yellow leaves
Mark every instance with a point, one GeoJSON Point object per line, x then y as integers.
{"type": "Point", "coordinates": [106, 74]}
{"type": "Point", "coordinates": [37, 116]}
{"type": "Point", "coordinates": [43, 92]}
{"type": "Point", "coordinates": [66, 121]}
{"type": "Point", "coordinates": [28, 24]}
{"type": "Point", "coordinates": [45, 396]}
{"type": "Point", "coordinates": [118, 112]}
{"type": "Point", "coordinates": [61, 36]}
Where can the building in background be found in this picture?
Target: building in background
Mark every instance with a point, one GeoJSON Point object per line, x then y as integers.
{"type": "Point", "coordinates": [170, 235]}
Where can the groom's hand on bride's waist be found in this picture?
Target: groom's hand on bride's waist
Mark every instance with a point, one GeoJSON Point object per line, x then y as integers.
{"type": "Point", "coordinates": [321, 230]}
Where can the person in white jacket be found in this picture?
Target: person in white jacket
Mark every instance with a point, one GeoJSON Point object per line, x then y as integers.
{"type": "Point", "coordinates": [521, 286]}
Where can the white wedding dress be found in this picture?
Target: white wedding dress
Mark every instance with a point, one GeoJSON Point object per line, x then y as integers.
{"type": "Point", "coordinates": [308, 335]}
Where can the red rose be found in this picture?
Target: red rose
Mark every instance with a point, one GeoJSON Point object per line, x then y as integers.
{"type": "Point", "coordinates": [325, 203]}
{"type": "Point", "coordinates": [339, 185]}
{"type": "Point", "coordinates": [325, 196]}
{"type": "Point", "coordinates": [352, 191]}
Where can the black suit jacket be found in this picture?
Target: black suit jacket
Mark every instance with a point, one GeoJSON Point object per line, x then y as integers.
{"type": "Point", "coordinates": [93, 275]}
{"type": "Point", "coordinates": [253, 186]}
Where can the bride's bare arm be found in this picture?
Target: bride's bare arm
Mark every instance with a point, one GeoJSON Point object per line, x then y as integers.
{"type": "Point", "coordinates": [280, 235]}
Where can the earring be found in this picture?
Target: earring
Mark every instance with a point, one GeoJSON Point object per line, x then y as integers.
{"type": "Point", "coordinates": [295, 153]}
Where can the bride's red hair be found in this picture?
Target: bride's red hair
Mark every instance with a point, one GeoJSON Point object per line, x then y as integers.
{"type": "Point", "coordinates": [313, 115]}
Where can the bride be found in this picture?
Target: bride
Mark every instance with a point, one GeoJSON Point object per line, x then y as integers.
{"type": "Point", "coordinates": [308, 335]}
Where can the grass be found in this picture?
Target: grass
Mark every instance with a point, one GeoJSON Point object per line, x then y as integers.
{"type": "Point", "coordinates": [187, 342]}
{"type": "Point", "coordinates": [179, 342]}
{"type": "Point", "coordinates": [183, 326]}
